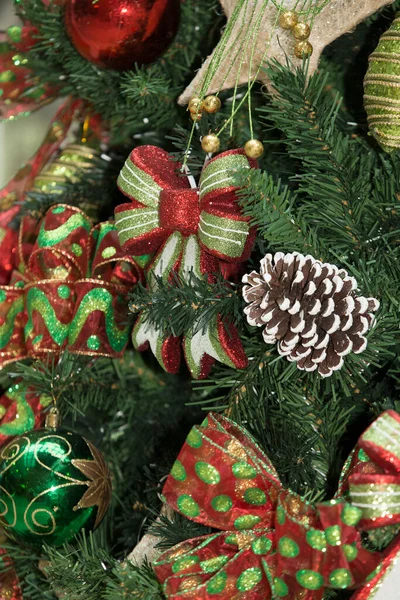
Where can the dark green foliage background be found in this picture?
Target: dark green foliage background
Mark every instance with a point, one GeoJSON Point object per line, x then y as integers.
{"type": "Point", "coordinates": [324, 188]}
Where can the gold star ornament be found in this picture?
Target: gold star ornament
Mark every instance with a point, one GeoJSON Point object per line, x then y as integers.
{"type": "Point", "coordinates": [99, 483]}
{"type": "Point", "coordinates": [255, 32]}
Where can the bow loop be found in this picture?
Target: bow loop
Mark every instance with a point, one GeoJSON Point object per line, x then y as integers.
{"type": "Point", "coordinates": [219, 481]}
{"type": "Point", "coordinates": [371, 475]}
{"type": "Point", "coordinates": [109, 262]}
{"type": "Point", "coordinates": [70, 293]}
{"type": "Point", "coordinates": [274, 543]}
{"type": "Point", "coordinates": [62, 246]}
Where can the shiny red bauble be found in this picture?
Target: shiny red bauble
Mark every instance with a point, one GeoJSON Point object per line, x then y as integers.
{"type": "Point", "coordinates": [116, 34]}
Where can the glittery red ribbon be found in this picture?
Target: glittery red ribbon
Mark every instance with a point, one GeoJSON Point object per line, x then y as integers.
{"type": "Point", "coordinates": [199, 231]}
{"type": "Point", "coordinates": [68, 290]}
{"type": "Point", "coordinates": [152, 180]}
{"type": "Point", "coordinates": [274, 544]}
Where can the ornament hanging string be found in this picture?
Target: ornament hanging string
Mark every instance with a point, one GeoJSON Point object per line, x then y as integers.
{"type": "Point", "coordinates": [252, 15]}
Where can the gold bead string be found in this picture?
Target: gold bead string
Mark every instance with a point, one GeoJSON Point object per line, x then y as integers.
{"type": "Point", "coordinates": [289, 20]}
{"type": "Point", "coordinates": [251, 14]}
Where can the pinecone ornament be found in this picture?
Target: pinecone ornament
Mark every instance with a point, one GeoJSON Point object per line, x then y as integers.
{"type": "Point", "coordinates": [310, 309]}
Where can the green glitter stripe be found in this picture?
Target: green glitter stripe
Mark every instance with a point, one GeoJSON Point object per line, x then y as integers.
{"type": "Point", "coordinates": [50, 237]}
{"type": "Point", "coordinates": [98, 299]}
{"type": "Point", "coordinates": [221, 173]}
{"type": "Point", "coordinates": [378, 432]}
{"type": "Point", "coordinates": [135, 182]}
{"type": "Point", "coordinates": [212, 334]}
{"type": "Point", "coordinates": [137, 222]}
{"type": "Point", "coordinates": [7, 329]}
{"type": "Point", "coordinates": [103, 230]}
{"type": "Point", "coordinates": [174, 241]}
{"type": "Point", "coordinates": [377, 504]}
{"type": "Point", "coordinates": [37, 300]}
{"type": "Point", "coordinates": [222, 235]}
{"type": "Point", "coordinates": [190, 263]}
{"type": "Point", "coordinates": [26, 418]}
{"type": "Point", "coordinates": [142, 326]}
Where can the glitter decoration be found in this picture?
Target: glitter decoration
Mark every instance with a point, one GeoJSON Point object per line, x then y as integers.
{"type": "Point", "coordinates": [19, 92]}
{"type": "Point", "coordinates": [194, 439]}
{"type": "Point", "coordinates": [333, 535]}
{"type": "Point", "coordinates": [298, 547]}
{"type": "Point", "coordinates": [188, 506]}
{"type": "Point", "coordinates": [340, 578]}
{"type": "Point", "coordinates": [288, 547]}
{"type": "Point", "coordinates": [93, 342]}
{"type": "Point", "coordinates": [178, 471]}
{"type": "Point", "coordinates": [64, 294]}
{"type": "Point", "coordinates": [261, 546]}
{"type": "Point", "coordinates": [207, 473]}
{"type": "Point", "coordinates": [184, 563]}
{"type": "Point", "coordinates": [246, 522]}
{"type": "Point", "coordinates": [222, 503]}
{"type": "Point", "coordinates": [316, 539]}
{"type": "Point", "coordinates": [309, 309]}
{"type": "Point", "coordinates": [217, 585]}
{"type": "Point", "coordinates": [255, 496]}
{"type": "Point", "coordinates": [249, 579]}
{"type": "Point", "coordinates": [193, 231]}
{"type": "Point", "coordinates": [311, 580]}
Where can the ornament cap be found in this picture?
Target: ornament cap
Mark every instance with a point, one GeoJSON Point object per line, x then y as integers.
{"type": "Point", "coordinates": [53, 418]}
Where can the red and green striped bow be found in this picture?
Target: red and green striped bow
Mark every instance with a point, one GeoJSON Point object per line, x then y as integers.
{"type": "Point", "coordinates": [192, 231]}
{"type": "Point", "coordinates": [68, 289]}
{"type": "Point", "coordinates": [273, 543]}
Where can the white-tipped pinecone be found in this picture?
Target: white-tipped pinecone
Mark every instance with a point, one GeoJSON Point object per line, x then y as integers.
{"type": "Point", "coordinates": [310, 309]}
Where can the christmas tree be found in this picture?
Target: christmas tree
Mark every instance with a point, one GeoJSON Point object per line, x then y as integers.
{"type": "Point", "coordinates": [199, 300]}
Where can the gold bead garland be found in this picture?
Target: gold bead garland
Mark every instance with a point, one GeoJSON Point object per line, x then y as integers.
{"type": "Point", "coordinates": [289, 20]}
{"type": "Point", "coordinates": [210, 143]}
{"type": "Point", "coordinates": [211, 104]}
{"type": "Point", "coordinates": [197, 106]}
{"type": "Point", "coordinates": [253, 148]}
{"type": "Point", "coordinates": [382, 89]}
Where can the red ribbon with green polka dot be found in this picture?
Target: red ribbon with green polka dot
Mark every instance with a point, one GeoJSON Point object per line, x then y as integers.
{"type": "Point", "coordinates": [68, 289]}
{"type": "Point", "coordinates": [273, 543]}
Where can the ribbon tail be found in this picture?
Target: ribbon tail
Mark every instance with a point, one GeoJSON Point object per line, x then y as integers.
{"type": "Point", "coordinates": [384, 582]}
{"type": "Point", "coordinates": [217, 342]}
{"type": "Point", "coordinates": [166, 349]}
{"type": "Point", "coordinates": [216, 565]}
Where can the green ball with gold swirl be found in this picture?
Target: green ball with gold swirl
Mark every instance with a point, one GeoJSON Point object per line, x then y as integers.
{"type": "Point", "coordinates": [53, 483]}
{"type": "Point", "coordinates": [382, 89]}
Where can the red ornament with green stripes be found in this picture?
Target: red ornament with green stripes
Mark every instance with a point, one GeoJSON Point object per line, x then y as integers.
{"type": "Point", "coordinates": [273, 543]}
{"type": "Point", "coordinates": [192, 229]}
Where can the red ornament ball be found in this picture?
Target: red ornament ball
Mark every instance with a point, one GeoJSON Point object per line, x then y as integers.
{"type": "Point", "coordinates": [115, 34]}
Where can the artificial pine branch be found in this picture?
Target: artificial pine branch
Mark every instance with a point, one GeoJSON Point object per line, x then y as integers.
{"type": "Point", "coordinates": [177, 306]}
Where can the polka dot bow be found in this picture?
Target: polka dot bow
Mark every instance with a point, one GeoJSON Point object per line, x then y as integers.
{"type": "Point", "coordinates": [68, 289]}
{"type": "Point", "coordinates": [272, 543]}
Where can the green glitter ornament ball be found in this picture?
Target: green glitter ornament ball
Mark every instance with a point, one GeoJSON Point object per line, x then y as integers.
{"type": "Point", "coordinates": [53, 483]}
{"type": "Point", "coordinates": [382, 89]}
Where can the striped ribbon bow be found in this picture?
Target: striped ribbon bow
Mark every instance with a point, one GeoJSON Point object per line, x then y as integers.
{"type": "Point", "coordinates": [191, 230]}
{"type": "Point", "coordinates": [272, 543]}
